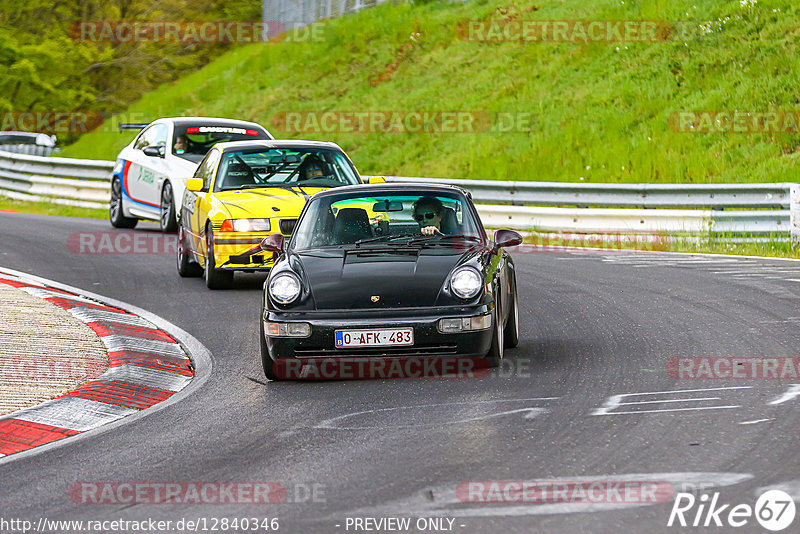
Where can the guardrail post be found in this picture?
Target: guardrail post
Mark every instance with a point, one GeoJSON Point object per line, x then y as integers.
{"type": "Point", "coordinates": [794, 212]}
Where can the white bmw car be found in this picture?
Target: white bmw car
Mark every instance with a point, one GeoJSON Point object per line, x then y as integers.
{"type": "Point", "coordinates": [151, 172]}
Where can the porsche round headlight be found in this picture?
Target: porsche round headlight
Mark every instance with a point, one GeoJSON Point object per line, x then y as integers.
{"type": "Point", "coordinates": [466, 282]}
{"type": "Point", "coordinates": [284, 288]}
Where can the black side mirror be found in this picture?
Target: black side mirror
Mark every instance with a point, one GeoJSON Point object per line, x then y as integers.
{"type": "Point", "coordinates": [154, 151]}
{"type": "Point", "coordinates": [506, 238]}
{"type": "Point", "coordinates": [273, 243]}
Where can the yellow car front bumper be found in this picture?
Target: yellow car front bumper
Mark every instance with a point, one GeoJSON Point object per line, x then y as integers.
{"type": "Point", "coordinates": [241, 250]}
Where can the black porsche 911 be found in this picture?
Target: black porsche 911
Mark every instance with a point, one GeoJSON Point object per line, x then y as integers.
{"type": "Point", "coordinates": [386, 272]}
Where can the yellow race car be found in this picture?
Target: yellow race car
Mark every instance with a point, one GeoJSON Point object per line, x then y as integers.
{"type": "Point", "coordinates": [245, 191]}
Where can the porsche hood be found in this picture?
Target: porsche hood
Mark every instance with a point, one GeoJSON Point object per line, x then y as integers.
{"type": "Point", "coordinates": [377, 278]}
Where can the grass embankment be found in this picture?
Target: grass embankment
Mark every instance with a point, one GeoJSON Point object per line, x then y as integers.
{"type": "Point", "coordinates": [775, 246]}
{"type": "Point", "coordinates": [599, 112]}
{"type": "Point", "coordinates": [46, 208]}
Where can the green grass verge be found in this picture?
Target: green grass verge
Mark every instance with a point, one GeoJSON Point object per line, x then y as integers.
{"type": "Point", "coordinates": [45, 208]}
{"type": "Point", "coordinates": [775, 247]}
{"type": "Point", "coordinates": [599, 111]}
{"type": "Point", "coordinates": [771, 248]}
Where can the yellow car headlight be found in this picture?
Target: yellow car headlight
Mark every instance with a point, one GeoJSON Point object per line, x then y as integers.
{"type": "Point", "coordinates": [246, 225]}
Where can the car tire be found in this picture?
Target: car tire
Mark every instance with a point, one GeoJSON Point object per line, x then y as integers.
{"type": "Point", "coordinates": [495, 353]}
{"type": "Point", "coordinates": [215, 278]}
{"type": "Point", "coordinates": [187, 268]}
{"type": "Point", "coordinates": [115, 212]}
{"type": "Point", "coordinates": [266, 360]}
{"type": "Point", "coordinates": [511, 332]}
{"type": "Point", "coordinates": [168, 220]}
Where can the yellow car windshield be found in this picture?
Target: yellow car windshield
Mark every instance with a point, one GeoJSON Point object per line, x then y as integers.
{"type": "Point", "coordinates": [282, 167]}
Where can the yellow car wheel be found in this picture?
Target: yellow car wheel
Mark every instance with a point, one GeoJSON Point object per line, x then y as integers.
{"type": "Point", "coordinates": [186, 267]}
{"type": "Point", "coordinates": [215, 278]}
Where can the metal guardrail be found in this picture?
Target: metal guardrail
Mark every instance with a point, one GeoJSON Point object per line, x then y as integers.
{"type": "Point", "coordinates": [299, 13]}
{"type": "Point", "coordinates": [721, 209]}
{"type": "Point", "coordinates": [31, 149]}
{"type": "Point", "coordinates": [690, 209]}
{"type": "Point", "coordinates": [712, 196]}
{"type": "Point", "coordinates": [637, 221]}
{"type": "Point", "coordinates": [74, 182]}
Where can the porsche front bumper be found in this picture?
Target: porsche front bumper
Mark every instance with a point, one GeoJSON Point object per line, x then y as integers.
{"type": "Point", "coordinates": [428, 339]}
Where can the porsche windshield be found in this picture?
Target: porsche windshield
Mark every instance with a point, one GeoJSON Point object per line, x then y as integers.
{"type": "Point", "coordinates": [281, 167]}
{"type": "Point", "coordinates": [387, 219]}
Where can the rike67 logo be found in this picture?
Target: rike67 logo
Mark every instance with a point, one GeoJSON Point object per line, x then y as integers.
{"type": "Point", "coordinates": [774, 510]}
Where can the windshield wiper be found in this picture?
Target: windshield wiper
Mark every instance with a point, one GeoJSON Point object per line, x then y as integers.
{"type": "Point", "coordinates": [384, 238]}
{"type": "Point", "coordinates": [439, 238]}
{"type": "Point", "coordinates": [252, 186]}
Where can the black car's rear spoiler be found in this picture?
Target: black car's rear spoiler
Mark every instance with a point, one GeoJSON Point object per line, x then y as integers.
{"type": "Point", "coordinates": [131, 126]}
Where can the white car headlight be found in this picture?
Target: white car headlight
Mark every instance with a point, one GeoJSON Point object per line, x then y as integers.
{"type": "Point", "coordinates": [466, 282]}
{"type": "Point", "coordinates": [284, 288]}
{"type": "Point", "coordinates": [251, 225]}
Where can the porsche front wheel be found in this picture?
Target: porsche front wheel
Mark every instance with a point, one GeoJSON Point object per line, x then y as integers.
{"type": "Point", "coordinates": [266, 360]}
{"type": "Point", "coordinates": [495, 353]}
{"type": "Point", "coordinates": [511, 333]}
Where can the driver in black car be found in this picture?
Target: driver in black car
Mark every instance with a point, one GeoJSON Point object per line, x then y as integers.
{"type": "Point", "coordinates": [429, 212]}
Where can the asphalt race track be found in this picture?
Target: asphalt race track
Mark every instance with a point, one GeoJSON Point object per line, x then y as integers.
{"type": "Point", "coordinates": [593, 326]}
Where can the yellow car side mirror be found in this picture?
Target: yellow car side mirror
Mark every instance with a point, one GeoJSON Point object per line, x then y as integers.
{"type": "Point", "coordinates": [194, 184]}
{"type": "Point", "coordinates": [377, 180]}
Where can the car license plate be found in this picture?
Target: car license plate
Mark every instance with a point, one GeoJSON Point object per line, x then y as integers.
{"type": "Point", "coordinates": [384, 337]}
